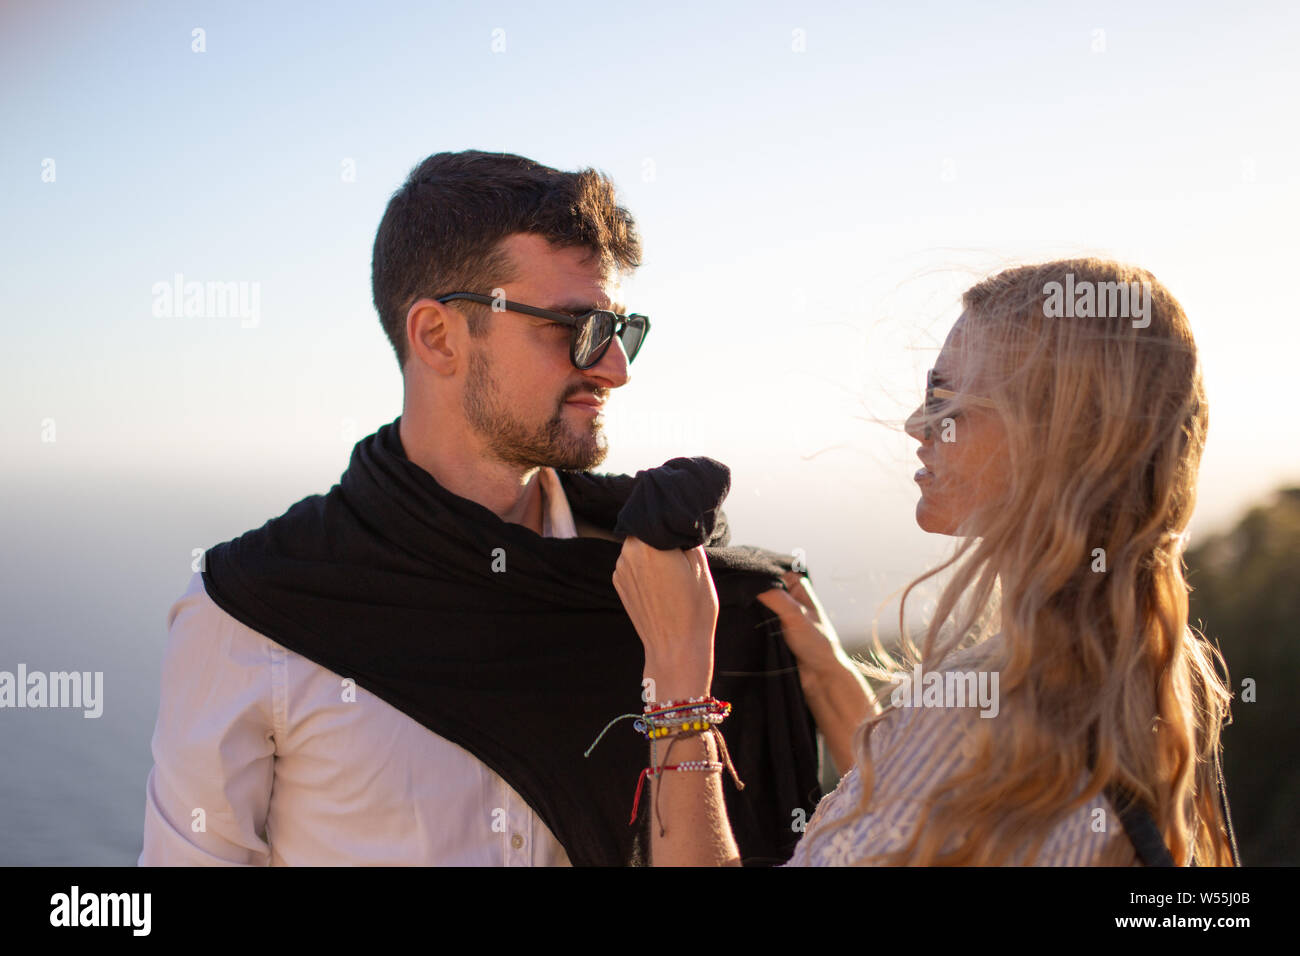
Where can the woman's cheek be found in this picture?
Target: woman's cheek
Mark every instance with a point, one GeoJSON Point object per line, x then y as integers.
{"type": "Point", "coordinates": [951, 491]}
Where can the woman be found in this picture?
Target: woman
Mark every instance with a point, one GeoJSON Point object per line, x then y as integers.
{"type": "Point", "coordinates": [1061, 447]}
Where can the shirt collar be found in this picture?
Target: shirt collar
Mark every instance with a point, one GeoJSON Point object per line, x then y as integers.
{"type": "Point", "coordinates": [557, 518]}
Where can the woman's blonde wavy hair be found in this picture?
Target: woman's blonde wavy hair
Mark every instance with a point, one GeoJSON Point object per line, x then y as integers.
{"type": "Point", "coordinates": [1105, 423]}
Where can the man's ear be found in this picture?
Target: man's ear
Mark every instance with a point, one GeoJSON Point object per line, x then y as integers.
{"type": "Point", "coordinates": [435, 335]}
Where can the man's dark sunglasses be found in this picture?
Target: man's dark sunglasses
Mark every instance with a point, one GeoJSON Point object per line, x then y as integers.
{"type": "Point", "coordinates": [592, 331]}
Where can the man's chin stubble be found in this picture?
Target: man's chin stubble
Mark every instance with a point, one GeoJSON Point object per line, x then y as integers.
{"type": "Point", "coordinates": [508, 441]}
{"type": "Point", "coordinates": [581, 455]}
{"type": "Point", "coordinates": [552, 446]}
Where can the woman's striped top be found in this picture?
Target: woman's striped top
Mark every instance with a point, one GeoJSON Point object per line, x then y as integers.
{"type": "Point", "coordinates": [913, 749]}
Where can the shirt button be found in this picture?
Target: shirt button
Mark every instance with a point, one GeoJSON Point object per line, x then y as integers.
{"type": "Point", "coordinates": [517, 841]}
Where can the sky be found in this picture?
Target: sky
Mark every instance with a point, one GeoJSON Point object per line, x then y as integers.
{"type": "Point", "coordinates": [815, 184]}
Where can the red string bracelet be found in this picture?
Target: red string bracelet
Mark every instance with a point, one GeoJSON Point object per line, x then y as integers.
{"type": "Point", "coordinates": [709, 765]}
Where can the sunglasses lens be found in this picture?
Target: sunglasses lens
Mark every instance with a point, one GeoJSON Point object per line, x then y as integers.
{"type": "Point", "coordinates": [633, 335]}
{"type": "Point", "coordinates": [592, 337]}
{"type": "Point", "coordinates": [937, 407]}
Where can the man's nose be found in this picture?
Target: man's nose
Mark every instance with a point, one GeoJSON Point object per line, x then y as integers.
{"type": "Point", "coordinates": [612, 368]}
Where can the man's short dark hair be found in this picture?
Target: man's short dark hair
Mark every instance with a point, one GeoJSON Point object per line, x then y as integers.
{"type": "Point", "coordinates": [442, 230]}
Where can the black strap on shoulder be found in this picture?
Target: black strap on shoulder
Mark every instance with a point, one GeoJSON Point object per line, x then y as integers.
{"type": "Point", "coordinates": [1141, 826]}
{"type": "Point", "coordinates": [1138, 822]}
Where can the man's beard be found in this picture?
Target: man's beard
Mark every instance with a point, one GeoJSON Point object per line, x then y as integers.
{"type": "Point", "coordinates": [508, 439]}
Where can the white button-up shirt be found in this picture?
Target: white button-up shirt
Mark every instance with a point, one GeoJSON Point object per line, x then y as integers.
{"type": "Point", "coordinates": [260, 760]}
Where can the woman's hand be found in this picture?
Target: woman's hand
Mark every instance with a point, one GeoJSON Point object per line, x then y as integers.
{"type": "Point", "coordinates": [838, 695]}
{"type": "Point", "coordinates": [669, 596]}
{"type": "Point", "coordinates": [808, 630]}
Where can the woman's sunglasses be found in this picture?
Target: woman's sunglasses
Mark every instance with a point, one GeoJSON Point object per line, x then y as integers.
{"type": "Point", "coordinates": [591, 332]}
{"type": "Point", "coordinates": [936, 394]}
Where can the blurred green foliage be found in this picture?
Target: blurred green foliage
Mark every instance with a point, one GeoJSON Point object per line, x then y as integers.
{"type": "Point", "coordinates": [1246, 599]}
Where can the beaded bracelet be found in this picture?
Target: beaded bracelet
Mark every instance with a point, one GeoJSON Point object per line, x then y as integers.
{"type": "Point", "coordinates": [692, 705]}
{"type": "Point", "coordinates": [686, 765]}
{"type": "Point", "coordinates": [687, 702]}
{"type": "Point", "coordinates": [672, 716]}
{"type": "Point", "coordinates": [705, 701]}
{"type": "Point", "coordinates": [679, 726]}
{"type": "Point", "coordinates": [659, 718]}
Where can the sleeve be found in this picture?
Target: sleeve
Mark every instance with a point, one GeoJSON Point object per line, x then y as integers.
{"type": "Point", "coordinates": [912, 750]}
{"type": "Point", "coordinates": [207, 796]}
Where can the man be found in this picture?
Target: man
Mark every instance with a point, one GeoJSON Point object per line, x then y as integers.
{"type": "Point", "coordinates": [341, 686]}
